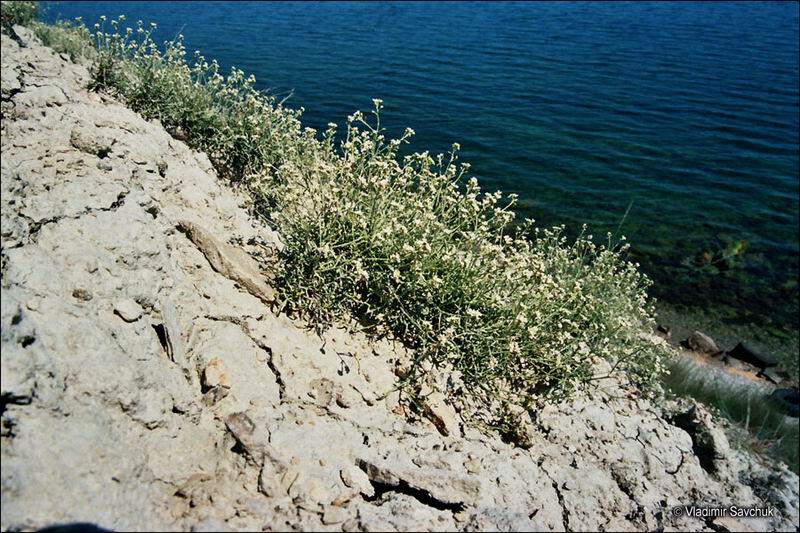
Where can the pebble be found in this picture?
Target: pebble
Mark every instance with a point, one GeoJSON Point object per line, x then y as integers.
{"type": "Point", "coordinates": [128, 310]}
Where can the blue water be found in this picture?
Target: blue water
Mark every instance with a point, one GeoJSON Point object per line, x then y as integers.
{"type": "Point", "coordinates": [688, 110]}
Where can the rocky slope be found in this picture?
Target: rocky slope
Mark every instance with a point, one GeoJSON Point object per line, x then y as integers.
{"type": "Point", "coordinates": [148, 384]}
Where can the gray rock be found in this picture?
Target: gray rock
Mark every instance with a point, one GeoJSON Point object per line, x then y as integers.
{"type": "Point", "coordinates": [788, 399]}
{"type": "Point", "coordinates": [128, 310]}
{"type": "Point", "coordinates": [745, 353]}
{"type": "Point", "coordinates": [442, 414]}
{"type": "Point", "coordinates": [229, 261]}
{"type": "Point", "coordinates": [357, 479]}
{"type": "Point", "coordinates": [700, 342]}
{"type": "Point", "coordinates": [215, 374]}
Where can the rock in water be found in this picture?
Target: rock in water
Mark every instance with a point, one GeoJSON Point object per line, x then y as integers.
{"type": "Point", "coordinates": [744, 353]}
{"type": "Point", "coordinates": [788, 400]}
{"type": "Point", "coordinates": [700, 342]}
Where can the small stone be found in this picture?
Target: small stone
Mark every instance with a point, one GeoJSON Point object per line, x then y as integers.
{"type": "Point", "coordinates": [473, 465]}
{"type": "Point", "coordinates": [215, 374]}
{"type": "Point", "coordinates": [335, 515]}
{"type": "Point", "coordinates": [346, 397]}
{"type": "Point", "coordinates": [128, 310]}
{"type": "Point", "coordinates": [321, 391]}
{"type": "Point", "coordinates": [443, 416]}
{"type": "Point", "coordinates": [268, 483]}
{"type": "Point", "coordinates": [230, 261]}
{"type": "Point", "coordinates": [215, 395]}
{"type": "Point", "coordinates": [700, 342]}
{"type": "Point", "coordinates": [82, 294]}
{"type": "Point", "coordinates": [288, 478]}
{"type": "Point", "coordinates": [104, 164]}
{"type": "Point", "coordinates": [355, 478]}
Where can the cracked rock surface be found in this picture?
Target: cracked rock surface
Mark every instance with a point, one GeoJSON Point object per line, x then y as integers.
{"type": "Point", "coordinates": [147, 384]}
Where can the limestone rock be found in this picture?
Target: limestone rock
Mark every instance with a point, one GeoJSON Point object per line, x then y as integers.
{"type": "Point", "coordinates": [215, 374]}
{"type": "Point", "coordinates": [229, 261]}
{"type": "Point", "coordinates": [128, 310]}
{"type": "Point", "coordinates": [442, 485]}
{"type": "Point", "coordinates": [356, 478]}
{"type": "Point", "coordinates": [442, 414]}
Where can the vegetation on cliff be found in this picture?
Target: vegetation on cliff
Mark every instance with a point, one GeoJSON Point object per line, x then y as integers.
{"type": "Point", "coordinates": [410, 245]}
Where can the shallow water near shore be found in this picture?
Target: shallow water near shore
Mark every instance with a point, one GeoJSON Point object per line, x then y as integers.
{"type": "Point", "coordinates": [687, 112]}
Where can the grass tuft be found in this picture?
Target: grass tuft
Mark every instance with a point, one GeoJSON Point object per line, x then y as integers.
{"type": "Point", "coordinates": [23, 13]}
{"type": "Point", "coordinates": [758, 424]}
{"type": "Point", "coordinates": [71, 38]}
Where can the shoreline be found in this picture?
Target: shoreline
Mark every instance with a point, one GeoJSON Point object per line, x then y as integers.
{"type": "Point", "coordinates": [683, 322]}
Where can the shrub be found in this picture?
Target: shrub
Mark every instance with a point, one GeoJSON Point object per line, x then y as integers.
{"type": "Point", "coordinates": [415, 250]}
{"type": "Point", "coordinates": [12, 13]}
{"type": "Point", "coordinates": [407, 245]}
{"type": "Point", "coordinates": [66, 37]}
{"type": "Point", "coordinates": [245, 133]}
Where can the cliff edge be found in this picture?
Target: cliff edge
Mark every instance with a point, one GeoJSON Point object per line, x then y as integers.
{"type": "Point", "coordinates": [147, 382]}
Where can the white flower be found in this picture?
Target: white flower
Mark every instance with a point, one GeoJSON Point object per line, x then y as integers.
{"type": "Point", "coordinates": [474, 313]}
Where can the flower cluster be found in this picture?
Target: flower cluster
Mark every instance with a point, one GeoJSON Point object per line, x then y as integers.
{"type": "Point", "coordinates": [416, 249]}
{"type": "Point", "coordinates": [245, 133]}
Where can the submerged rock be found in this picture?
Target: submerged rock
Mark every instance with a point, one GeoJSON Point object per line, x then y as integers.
{"type": "Point", "coordinates": [700, 342]}
{"type": "Point", "coordinates": [744, 353]}
{"type": "Point", "coordinates": [788, 399]}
